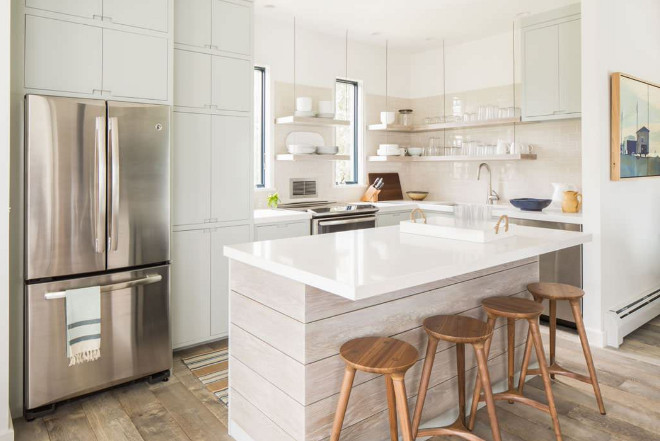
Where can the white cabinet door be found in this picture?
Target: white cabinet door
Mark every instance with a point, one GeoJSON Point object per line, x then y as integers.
{"type": "Point", "coordinates": [231, 175]}
{"type": "Point", "coordinates": [191, 168]}
{"type": "Point", "coordinates": [192, 22]}
{"type": "Point", "coordinates": [191, 286]}
{"type": "Point", "coordinates": [281, 230]}
{"type": "Point", "coordinates": [79, 8]}
{"type": "Point", "coordinates": [147, 14]}
{"type": "Point", "coordinates": [541, 73]}
{"type": "Point", "coordinates": [391, 219]}
{"type": "Point", "coordinates": [220, 275]}
{"type": "Point", "coordinates": [134, 65]}
{"type": "Point", "coordinates": [570, 62]}
{"type": "Point", "coordinates": [232, 83]}
{"type": "Point", "coordinates": [192, 79]}
{"type": "Point", "coordinates": [232, 27]}
{"type": "Point", "coordinates": [62, 56]}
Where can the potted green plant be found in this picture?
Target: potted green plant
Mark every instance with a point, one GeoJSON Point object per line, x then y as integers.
{"type": "Point", "coordinates": [273, 200]}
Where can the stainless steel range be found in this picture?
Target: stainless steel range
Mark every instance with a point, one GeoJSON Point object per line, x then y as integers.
{"type": "Point", "coordinates": [332, 217]}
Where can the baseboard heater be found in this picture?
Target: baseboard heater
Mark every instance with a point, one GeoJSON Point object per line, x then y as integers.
{"type": "Point", "coordinates": [624, 319]}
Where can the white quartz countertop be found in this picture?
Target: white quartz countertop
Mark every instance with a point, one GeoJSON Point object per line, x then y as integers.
{"type": "Point", "coordinates": [365, 263]}
{"type": "Point", "coordinates": [269, 216]}
{"type": "Point", "coordinates": [548, 215]}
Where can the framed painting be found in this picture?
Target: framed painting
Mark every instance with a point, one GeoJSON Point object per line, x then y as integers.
{"type": "Point", "coordinates": [635, 128]}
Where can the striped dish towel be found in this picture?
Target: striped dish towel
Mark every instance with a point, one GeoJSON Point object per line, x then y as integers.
{"type": "Point", "coordinates": [83, 325]}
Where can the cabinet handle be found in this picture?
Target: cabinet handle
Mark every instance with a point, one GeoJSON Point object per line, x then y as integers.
{"type": "Point", "coordinates": [97, 17]}
{"type": "Point", "coordinates": [558, 112]}
{"type": "Point", "coordinates": [213, 46]}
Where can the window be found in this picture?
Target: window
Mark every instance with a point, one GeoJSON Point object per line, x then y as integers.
{"type": "Point", "coordinates": [346, 104]}
{"type": "Point", "coordinates": [260, 126]}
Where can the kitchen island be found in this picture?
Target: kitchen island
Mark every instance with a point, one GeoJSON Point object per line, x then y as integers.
{"type": "Point", "coordinates": [294, 302]}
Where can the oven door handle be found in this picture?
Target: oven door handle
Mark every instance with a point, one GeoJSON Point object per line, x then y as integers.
{"type": "Point", "coordinates": [358, 220]}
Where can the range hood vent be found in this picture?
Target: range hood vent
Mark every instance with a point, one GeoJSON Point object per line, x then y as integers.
{"type": "Point", "coordinates": [302, 188]}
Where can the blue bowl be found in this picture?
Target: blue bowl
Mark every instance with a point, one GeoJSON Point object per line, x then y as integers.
{"type": "Point", "coordinates": [530, 204]}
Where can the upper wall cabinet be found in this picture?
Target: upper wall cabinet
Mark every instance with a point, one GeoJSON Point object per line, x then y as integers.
{"type": "Point", "coordinates": [222, 25]}
{"type": "Point", "coordinates": [69, 57]}
{"type": "Point", "coordinates": [232, 27]}
{"type": "Point", "coordinates": [147, 14]}
{"type": "Point", "coordinates": [147, 57]}
{"type": "Point", "coordinates": [78, 8]}
{"type": "Point", "coordinates": [552, 65]}
{"type": "Point", "coordinates": [232, 83]}
{"type": "Point", "coordinates": [63, 56]}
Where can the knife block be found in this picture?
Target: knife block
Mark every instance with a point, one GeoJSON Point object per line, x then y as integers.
{"type": "Point", "coordinates": [371, 195]}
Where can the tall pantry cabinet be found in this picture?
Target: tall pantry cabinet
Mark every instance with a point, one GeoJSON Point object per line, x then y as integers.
{"type": "Point", "coordinates": [212, 157]}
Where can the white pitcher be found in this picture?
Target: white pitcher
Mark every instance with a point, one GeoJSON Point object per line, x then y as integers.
{"type": "Point", "coordinates": [558, 193]}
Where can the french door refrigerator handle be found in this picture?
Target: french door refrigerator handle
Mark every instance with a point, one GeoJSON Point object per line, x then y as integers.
{"type": "Point", "coordinates": [147, 280]}
{"type": "Point", "coordinates": [100, 178]}
{"type": "Point", "coordinates": [113, 139]}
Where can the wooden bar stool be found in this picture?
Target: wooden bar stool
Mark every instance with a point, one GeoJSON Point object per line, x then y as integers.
{"type": "Point", "coordinates": [378, 355]}
{"type": "Point", "coordinates": [554, 292]}
{"type": "Point", "coordinates": [513, 308]}
{"type": "Point", "coordinates": [460, 330]}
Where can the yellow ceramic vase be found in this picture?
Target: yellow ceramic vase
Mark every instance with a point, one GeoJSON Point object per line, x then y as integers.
{"type": "Point", "coordinates": [572, 202]}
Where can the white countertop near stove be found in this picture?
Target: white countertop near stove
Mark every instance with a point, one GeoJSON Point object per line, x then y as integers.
{"type": "Point", "coordinates": [271, 216]}
{"type": "Point", "coordinates": [365, 263]}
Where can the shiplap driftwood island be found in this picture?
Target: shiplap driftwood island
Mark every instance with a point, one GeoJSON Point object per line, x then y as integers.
{"type": "Point", "coordinates": [294, 302]}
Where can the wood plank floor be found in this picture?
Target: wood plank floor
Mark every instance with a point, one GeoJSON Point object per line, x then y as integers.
{"type": "Point", "coordinates": [182, 409]}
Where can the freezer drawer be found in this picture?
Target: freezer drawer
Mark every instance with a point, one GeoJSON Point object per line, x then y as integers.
{"type": "Point", "coordinates": [135, 335]}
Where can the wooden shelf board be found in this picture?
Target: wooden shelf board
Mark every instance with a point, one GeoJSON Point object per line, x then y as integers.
{"type": "Point", "coordinates": [522, 157]}
{"type": "Point", "coordinates": [443, 126]}
{"type": "Point", "coordinates": [312, 157]}
{"type": "Point", "coordinates": [311, 121]}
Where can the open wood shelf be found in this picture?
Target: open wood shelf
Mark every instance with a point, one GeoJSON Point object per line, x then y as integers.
{"type": "Point", "coordinates": [520, 157]}
{"type": "Point", "coordinates": [311, 121]}
{"type": "Point", "coordinates": [443, 126]}
{"type": "Point", "coordinates": [312, 157]}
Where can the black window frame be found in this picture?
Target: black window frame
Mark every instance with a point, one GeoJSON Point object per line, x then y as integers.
{"type": "Point", "coordinates": [262, 70]}
{"type": "Point", "coordinates": [356, 135]}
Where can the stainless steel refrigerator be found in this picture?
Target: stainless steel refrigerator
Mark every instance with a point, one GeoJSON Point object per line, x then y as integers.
{"type": "Point", "coordinates": [97, 212]}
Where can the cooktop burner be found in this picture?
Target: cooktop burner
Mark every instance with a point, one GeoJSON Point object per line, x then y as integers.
{"type": "Point", "coordinates": [344, 209]}
{"type": "Point", "coordinates": [326, 208]}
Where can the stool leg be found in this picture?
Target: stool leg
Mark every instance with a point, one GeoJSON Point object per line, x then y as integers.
{"type": "Point", "coordinates": [543, 366]}
{"type": "Point", "coordinates": [577, 315]}
{"type": "Point", "coordinates": [391, 405]}
{"type": "Point", "coordinates": [460, 372]}
{"type": "Point", "coordinates": [346, 385]}
{"type": "Point", "coordinates": [511, 334]}
{"type": "Point", "coordinates": [482, 364]}
{"type": "Point", "coordinates": [526, 359]}
{"type": "Point", "coordinates": [402, 406]}
{"type": "Point", "coordinates": [477, 384]}
{"type": "Point", "coordinates": [431, 347]}
{"type": "Point", "coordinates": [553, 332]}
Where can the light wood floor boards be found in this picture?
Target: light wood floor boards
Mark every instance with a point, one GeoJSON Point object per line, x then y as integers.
{"type": "Point", "coordinates": [183, 409]}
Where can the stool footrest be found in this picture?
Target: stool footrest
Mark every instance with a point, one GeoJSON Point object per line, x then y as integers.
{"type": "Point", "coordinates": [555, 369]}
{"type": "Point", "coordinates": [514, 395]}
{"type": "Point", "coordinates": [457, 428]}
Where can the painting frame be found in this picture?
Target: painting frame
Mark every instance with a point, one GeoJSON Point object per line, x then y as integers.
{"type": "Point", "coordinates": [616, 145]}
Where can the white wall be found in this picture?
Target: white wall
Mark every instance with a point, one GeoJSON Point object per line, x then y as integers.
{"type": "Point", "coordinates": [321, 58]}
{"type": "Point", "coordinates": [623, 261]}
{"type": "Point", "coordinates": [6, 432]}
{"type": "Point", "coordinates": [470, 65]}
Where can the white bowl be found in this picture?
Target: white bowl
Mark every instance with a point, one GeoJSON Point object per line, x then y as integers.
{"type": "Point", "coordinates": [304, 103]}
{"type": "Point", "coordinates": [327, 150]}
{"type": "Point", "coordinates": [387, 117]}
{"type": "Point", "coordinates": [303, 149]}
{"type": "Point", "coordinates": [415, 151]}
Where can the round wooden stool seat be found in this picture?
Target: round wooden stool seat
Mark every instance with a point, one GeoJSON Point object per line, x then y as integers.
{"type": "Point", "coordinates": [555, 291]}
{"type": "Point", "coordinates": [379, 355]}
{"type": "Point", "coordinates": [457, 329]}
{"type": "Point", "coordinates": [512, 307]}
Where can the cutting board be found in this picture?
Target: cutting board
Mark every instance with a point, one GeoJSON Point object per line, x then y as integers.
{"type": "Point", "coordinates": [392, 189]}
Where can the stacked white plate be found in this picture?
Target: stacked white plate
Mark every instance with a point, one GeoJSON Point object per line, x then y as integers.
{"type": "Point", "coordinates": [301, 149]}
{"type": "Point", "coordinates": [327, 150]}
{"type": "Point", "coordinates": [326, 115]}
{"type": "Point", "coordinates": [305, 113]}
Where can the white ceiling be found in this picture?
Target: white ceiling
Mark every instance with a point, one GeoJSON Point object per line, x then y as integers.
{"type": "Point", "coordinates": [412, 24]}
